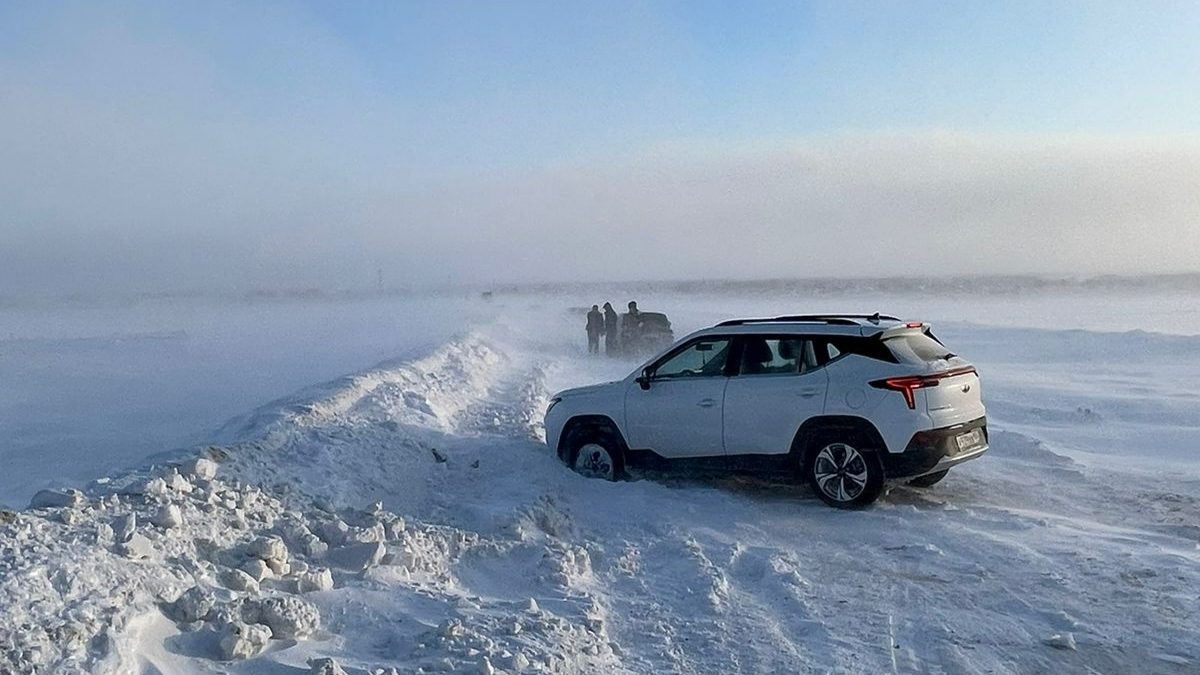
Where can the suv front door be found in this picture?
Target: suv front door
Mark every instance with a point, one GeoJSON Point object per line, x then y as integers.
{"type": "Point", "coordinates": [679, 414]}
{"type": "Point", "coordinates": [779, 383]}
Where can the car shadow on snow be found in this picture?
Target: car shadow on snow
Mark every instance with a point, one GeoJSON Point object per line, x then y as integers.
{"type": "Point", "coordinates": [785, 490]}
{"type": "Point", "coordinates": [758, 488]}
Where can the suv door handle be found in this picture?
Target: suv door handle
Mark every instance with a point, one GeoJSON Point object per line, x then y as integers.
{"type": "Point", "coordinates": [707, 402]}
{"type": "Point", "coordinates": [809, 393]}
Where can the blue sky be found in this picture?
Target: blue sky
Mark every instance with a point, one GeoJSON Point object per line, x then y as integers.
{"type": "Point", "coordinates": [179, 130]}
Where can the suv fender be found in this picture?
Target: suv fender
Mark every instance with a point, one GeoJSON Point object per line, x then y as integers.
{"type": "Point", "coordinates": [814, 427]}
{"type": "Point", "coordinates": [585, 423]}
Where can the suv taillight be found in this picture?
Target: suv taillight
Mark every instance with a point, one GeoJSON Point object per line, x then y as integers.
{"type": "Point", "coordinates": [908, 384]}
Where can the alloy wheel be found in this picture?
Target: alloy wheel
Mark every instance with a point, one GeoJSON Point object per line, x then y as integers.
{"type": "Point", "coordinates": [840, 472]}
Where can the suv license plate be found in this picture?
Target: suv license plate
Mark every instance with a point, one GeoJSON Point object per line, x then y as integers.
{"type": "Point", "coordinates": [969, 439]}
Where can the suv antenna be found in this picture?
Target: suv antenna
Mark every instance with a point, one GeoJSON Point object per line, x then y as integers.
{"type": "Point", "coordinates": [874, 318]}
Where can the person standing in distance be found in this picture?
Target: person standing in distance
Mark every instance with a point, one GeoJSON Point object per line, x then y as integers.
{"type": "Point", "coordinates": [595, 326]}
{"type": "Point", "coordinates": [611, 322]}
{"type": "Point", "coordinates": [631, 329]}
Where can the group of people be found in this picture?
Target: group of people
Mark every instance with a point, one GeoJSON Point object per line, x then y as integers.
{"type": "Point", "coordinates": [618, 331]}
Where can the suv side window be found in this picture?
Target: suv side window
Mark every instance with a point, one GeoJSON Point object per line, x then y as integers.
{"type": "Point", "coordinates": [824, 351]}
{"type": "Point", "coordinates": [702, 358]}
{"type": "Point", "coordinates": [776, 356]}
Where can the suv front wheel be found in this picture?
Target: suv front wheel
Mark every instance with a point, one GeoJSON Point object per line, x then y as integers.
{"type": "Point", "coordinates": [843, 474]}
{"type": "Point", "coordinates": [596, 453]}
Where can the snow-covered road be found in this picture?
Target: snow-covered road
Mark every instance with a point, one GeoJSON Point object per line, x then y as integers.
{"type": "Point", "coordinates": [1055, 553]}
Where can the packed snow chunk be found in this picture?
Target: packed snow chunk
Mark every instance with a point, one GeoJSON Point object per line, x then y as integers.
{"type": "Point", "coordinates": [1062, 641]}
{"type": "Point", "coordinates": [451, 629]}
{"type": "Point", "coordinates": [316, 579]}
{"type": "Point", "coordinates": [312, 545]}
{"type": "Point", "coordinates": [201, 468]}
{"type": "Point", "coordinates": [123, 527]}
{"type": "Point", "coordinates": [177, 483]}
{"type": "Point", "coordinates": [267, 548]}
{"type": "Point", "coordinates": [256, 569]}
{"type": "Point", "coordinates": [366, 535]}
{"type": "Point", "coordinates": [237, 580]}
{"type": "Point", "coordinates": [138, 547]}
{"type": "Point", "coordinates": [168, 517]}
{"type": "Point", "coordinates": [357, 557]}
{"type": "Point", "coordinates": [68, 516]}
{"type": "Point", "coordinates": [333, 532]}
{"type": "Point", "coordinates": [288, 616]}
{"type": "Point", "coordinates": [153, 487]}
{"type": "Point", "coordinates": [272, 551]}
{"type": "Point", "coordinates": [104, 534]}
{"type": "Point", "coordinates": [57, 499]}
{"type": "Point", "coordinates": [244, 641]}
{"type": "Point", "coordinates": [517, 663]}
{"type": "Point", "coordinates": [298, 537]}
{"type": "Point", "coordinates": [325, 666]}
{"type": "Point", "coordinates": [193, 605]}
{"type": "Point", "coordinates": [394, 528]}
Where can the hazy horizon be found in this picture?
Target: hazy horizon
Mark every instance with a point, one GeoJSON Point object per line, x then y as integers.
{"type": "Point", "coordinates": [824, 286]}
{"type": "Point", "coordinates": [295, 144]}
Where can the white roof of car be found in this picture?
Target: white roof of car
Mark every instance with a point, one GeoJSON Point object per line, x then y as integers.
{"type": "Point", "coordinates": [829, 324]}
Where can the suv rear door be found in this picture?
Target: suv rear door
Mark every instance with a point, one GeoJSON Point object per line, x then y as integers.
{"type": "Point", "coordinates": [777, 385]}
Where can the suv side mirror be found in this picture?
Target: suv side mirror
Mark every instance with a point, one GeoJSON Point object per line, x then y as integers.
{"type": "Point", "coordinates": [643, 380]}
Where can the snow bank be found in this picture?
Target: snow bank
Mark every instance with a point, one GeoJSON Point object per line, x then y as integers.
{"type": "Point", "coordinates": [231, 543]}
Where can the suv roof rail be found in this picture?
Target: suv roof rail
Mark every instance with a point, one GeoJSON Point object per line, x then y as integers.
{"type": "Point", "coordinates": [836, 319]}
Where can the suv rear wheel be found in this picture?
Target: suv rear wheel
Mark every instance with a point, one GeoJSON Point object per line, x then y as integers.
{"type": "Point", "coordinates": [842, 473]}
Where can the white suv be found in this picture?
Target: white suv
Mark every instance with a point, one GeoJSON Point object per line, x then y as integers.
{"type": "Point", "coordinates": [848, 401]}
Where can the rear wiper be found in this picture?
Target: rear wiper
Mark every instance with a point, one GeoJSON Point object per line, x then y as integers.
{"type": "Point", "coordinates": [949, 355]}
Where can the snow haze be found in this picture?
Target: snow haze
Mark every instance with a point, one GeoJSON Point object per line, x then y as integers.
{"type": "Point", "coordinates": [151, 147]}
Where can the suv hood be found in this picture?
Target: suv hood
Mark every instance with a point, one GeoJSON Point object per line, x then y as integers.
{"type": "Point", "coordinates": [584, 391]}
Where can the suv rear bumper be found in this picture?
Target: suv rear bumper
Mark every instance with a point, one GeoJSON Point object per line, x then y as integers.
{"type": "Point", "coordinates": [935, 450]}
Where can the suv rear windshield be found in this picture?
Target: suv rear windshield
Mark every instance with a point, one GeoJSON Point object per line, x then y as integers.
{"type": "Point", "coordinates": [837, 345]}
{"type": "Point", "coordinates": [917, 348]}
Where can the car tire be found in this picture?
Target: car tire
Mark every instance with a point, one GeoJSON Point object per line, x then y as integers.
{"type": "Point", "coordinates": [929, 479]}
{"type": "Point", "coordinates": [843, 472]}
{"type": "Point", "coordinates": [596, 453]}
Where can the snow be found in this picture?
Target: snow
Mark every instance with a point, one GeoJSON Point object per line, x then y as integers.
{"type": "Point", "coordinates": [407, 517]}
{"type": "Point", "coordinates": [242, 641]}
{"type": "Point", "coordinates": [90, 389]}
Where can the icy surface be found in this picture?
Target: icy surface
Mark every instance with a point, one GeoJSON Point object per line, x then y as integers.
{"type": "Point", "coordinates": [408, 517]}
